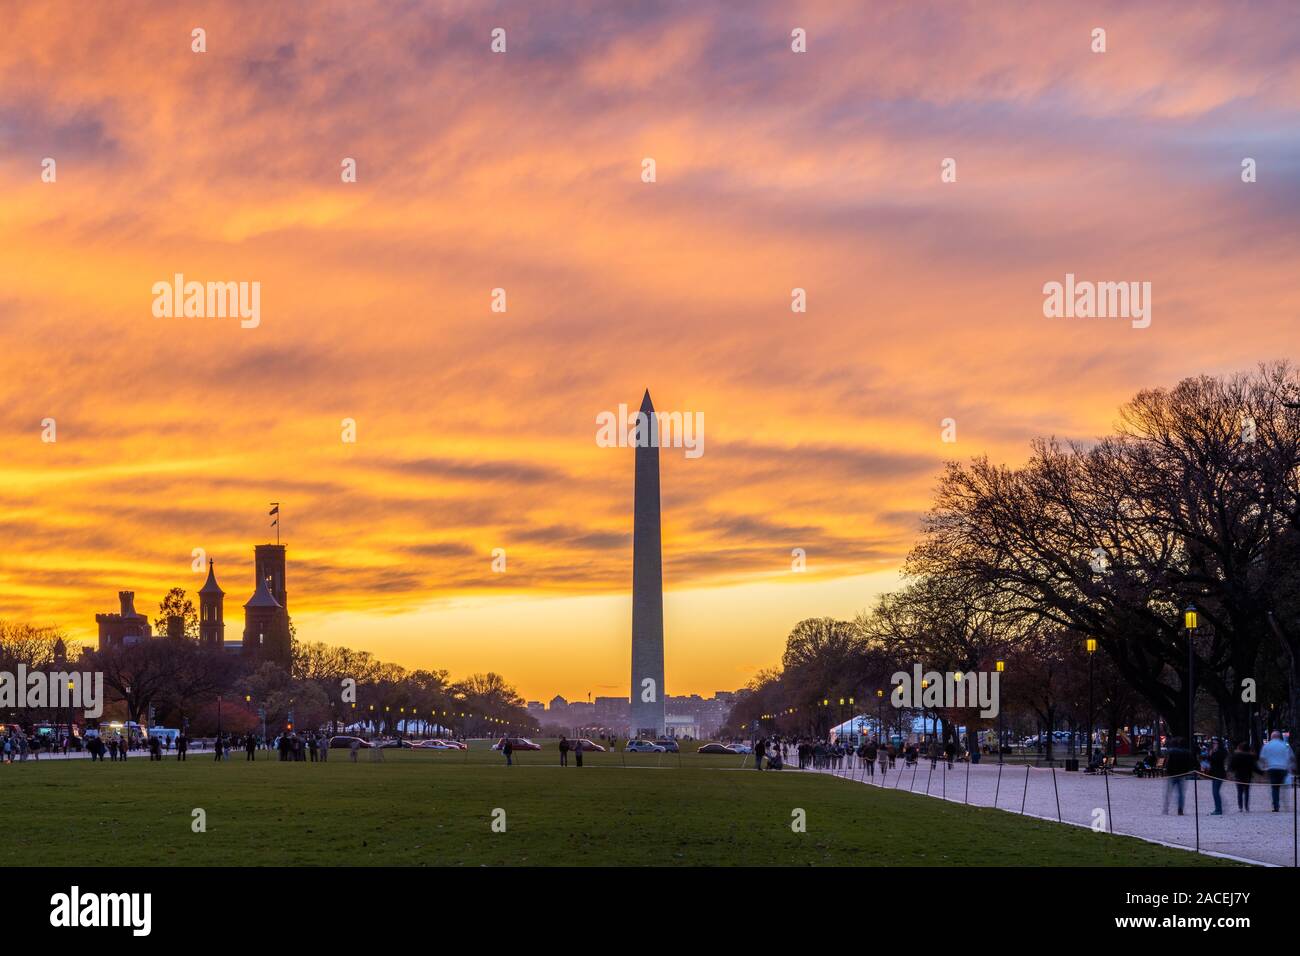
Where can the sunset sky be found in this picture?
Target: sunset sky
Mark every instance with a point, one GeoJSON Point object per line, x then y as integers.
{"type": "Point", "coordinates": [476, 430]}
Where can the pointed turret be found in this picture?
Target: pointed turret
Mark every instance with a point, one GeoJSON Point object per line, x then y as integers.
{"type": "Point", "coordinates": [263, 597]}
{"type": "Point", "coordinates": [211, 586]}
{"type": "Point", "coordinates": [212, 614]}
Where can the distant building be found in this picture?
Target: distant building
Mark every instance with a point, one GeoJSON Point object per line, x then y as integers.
{"type": "Point", "coordinates": [212, 621]}
{"type": "Point", "coordinates": [612, 713]}
{"type": "Point", "coordinates": [680, 726]}
{"type": "Point", "coordinates": [125, 627]}
{"type": "Point", "coordinates": [266, 633]}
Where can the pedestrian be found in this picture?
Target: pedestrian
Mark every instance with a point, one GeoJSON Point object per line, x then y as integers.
{"type": "Point", "coordinates": [354, 747]}
{"type": "Point", "coordinates": [760, 750]}
{"type": "Point", "coordinates": [1217, 769]}
{"type": "Point", "coordinates": [564, 751]}
{"type": "Point", "coordinates": [1277, 760]}
{"type": "Point", "coordinates": [182, 746]}
{"type": "Point", "coordinates": [324, 748]}
{"type": "Point", "coordinates": [1179, 767]}
{"type": "Point", "coordinates": [1242, 767]}
{"type": "Point", "coordinates": [577, 752]}
{"type": "Point", "coordinates": [509, 751]}
{"type": "Point", "coordinates": [311, 746]}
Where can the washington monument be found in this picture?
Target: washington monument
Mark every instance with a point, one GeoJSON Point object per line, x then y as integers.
{"type": "Point", "coordinates": [647, 587]}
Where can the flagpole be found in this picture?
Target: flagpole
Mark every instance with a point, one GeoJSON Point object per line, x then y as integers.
{"type": "Point", "coordinates": [275, 510]}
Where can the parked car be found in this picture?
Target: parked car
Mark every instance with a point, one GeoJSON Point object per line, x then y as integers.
{"type": "Point", "coordinates": [517, 743]}
{"type": "Point", "coordinates": [643, 747]}
{"type": "Point", "coordinates": [433, 745]}
{"type": "Point", "coordinates": [344, 743]}
{"type": "Point", "coordinates": [668, 744]}
{"type": "Point", "coordinates": [715, 749]}
{"type": "Point", "coordinates": [453, 744]}
{"type": "Point", "coordinates": [741, 748]}
{"type": "Point", "coordinates": [586, 745]}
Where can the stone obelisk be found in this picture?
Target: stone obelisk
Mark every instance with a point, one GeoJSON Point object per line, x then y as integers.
{"type": "Point", "coordinates": [647, 715]}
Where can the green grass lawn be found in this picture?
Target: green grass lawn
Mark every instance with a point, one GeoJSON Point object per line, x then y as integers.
{"type": "Point", "coordinates": [436, 809]}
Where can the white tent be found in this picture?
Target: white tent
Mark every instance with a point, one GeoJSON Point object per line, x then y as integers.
{"type": "Point", "coordinates": [864, 725]}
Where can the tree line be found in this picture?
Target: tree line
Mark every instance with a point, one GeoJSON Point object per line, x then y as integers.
{"type": "Point", "coordinates": [1192, 501]}
{"type": "Point", "coordinates": [179, 682]}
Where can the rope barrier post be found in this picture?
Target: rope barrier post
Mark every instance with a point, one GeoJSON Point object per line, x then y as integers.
{"type": "Point", "coordinates": [1025, 796]}
{"type": "Point", "coordinates": [998, 788]}
{"type": "Point", "coordinates": [1295, 839]}
{"type": "Point", "coordinates": [1196, 809]}
{"type": "Point", "coordinates": [1058, 796]}
{"type": "Point", "coordinates": [966, 799]}
{"type": "Point", "coordinates": [928, 778]}
{"type": "Point", "coordinates": [1110, 823]}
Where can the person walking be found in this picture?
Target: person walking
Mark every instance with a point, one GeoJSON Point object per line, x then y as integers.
{"type": "Point", "coordinates": [1242, 767]}
{"type": "Point", "coordinates": [324, 747]}
{"type": "Point", "coordinates": [182, 746]}
{"type": "Point", "coordinates": [1276, 759]}
{"type": "Point", "coordinates": [1179, 767]}
{"type": "Point", "coordinates": [509, 752]}
{"type": "Point", "coordinates": [1217, 769]}
{"type": "Point", "coordinates": [760, 751]}
{"type": "Point", "coordinates": [577, 752]}
{"type": "Point", "coordinates": [353, 748]}
{"type": "Point", "coordinates": [564, 751]}
{"type": "Point", "coordinates": [311, 747]}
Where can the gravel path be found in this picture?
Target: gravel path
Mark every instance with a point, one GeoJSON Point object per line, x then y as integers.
{"type": "Point", "coordinates": [1136, 805]}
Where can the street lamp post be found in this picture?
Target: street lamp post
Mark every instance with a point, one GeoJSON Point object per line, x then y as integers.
{"type": "Point", "coordinates": [925, 717]}
{"type": "Point", "coordinates": [880, 727]}
{"type": "Point", "coordinates": [71, 685]}
{"type": "Point", "coordinates": [1000, 666]}
{"type": "Point", "coordinates": [1190, 622]}
{"type": "Point", "coordinates": [1091, 645]}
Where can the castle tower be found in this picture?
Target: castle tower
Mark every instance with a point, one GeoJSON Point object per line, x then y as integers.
{"type": "Point", "coordinates": [268, 560]}
{"type": "Point", "coordinates": [212, 620]}
{"type": "Point", "coordinates": [262, 625]}
{"type": "Point", "coordinates": [647, 714]}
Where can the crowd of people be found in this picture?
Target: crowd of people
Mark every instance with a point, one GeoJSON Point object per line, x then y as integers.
{"type": "Point", "coordinates": [296, 746]}
{"type": "Point", "coordinates": [1218, 760]}
{"type": "Point", "coordinates": [771, 753]}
